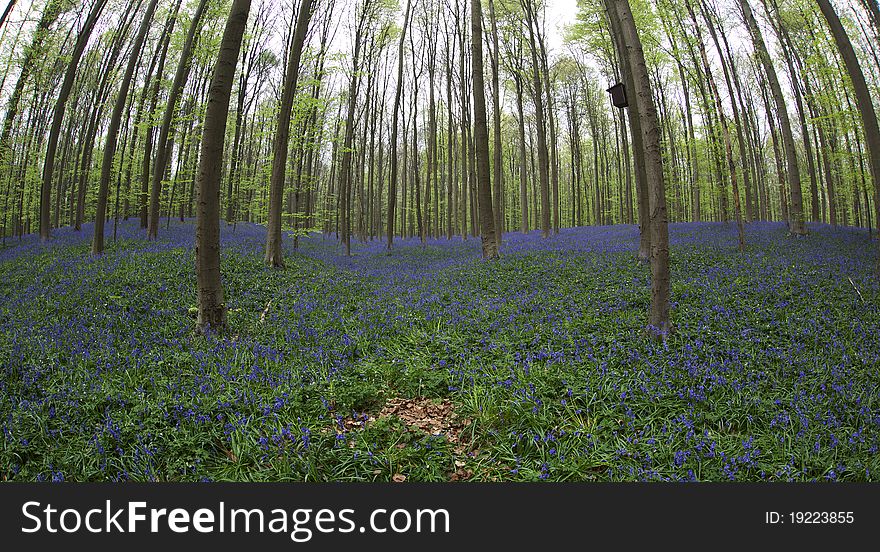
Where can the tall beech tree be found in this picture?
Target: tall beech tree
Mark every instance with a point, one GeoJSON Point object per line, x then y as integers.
{"type": "Point", "coordinates": [113, 129]}
{"type": "Point", "coordinates": [497, 153]}
{"type": "Point", "coordinates": [637, 137]}
{"type": "Point", "coordinates": [212, 306]}
{"type": "Point", "coordinates": [154, 90]}
{"type": "Point", "coordinates": [642, 96]}
{"type": "Point", "coordinates": [395, 117]}
{"type": "Point", "coordinates": [32, 54]}
{"type": "Point", "coordinates": [58, 115]}
{"type": "Point", "coordinates": [796, 209]}
{"type": "Point", "coordinates": [481, 137]}
{"type": "Point", "coordinates": [274, 255]}
{"type": "Point", "coordinates": [163, 145]}
{"type": "Point", "coordinates": [863, 98]}
{"type": "Point", "coordinates": [531, 15]}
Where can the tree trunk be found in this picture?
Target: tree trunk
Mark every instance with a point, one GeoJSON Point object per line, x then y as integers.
{"type": "Point", "coordinates": [498, 176]}
{"type": "Point", "coordinates": [350, 121]}
{"type": "Point", "coordinates": [450, 142]}
{"type": "Point", "coordinates": [863, 98]}
{"type": "Point", "coordinates": [212, 306]}
{"type": "Point", "coordinates": [274, 255]}
{"type": "Point", "coordinates": [481, 137]}
{"type": "Point", "coordinates": [658, 319]}
{"type": "Point", "coordinates": [725, 130]}
{"type": "Point", "coordinates": [523, 177]}
{"type": "Point", "coordinates": [113, 130]}
{"type": "Point", "coordinates": [147, 159]}
{"type": "Point", "coordinates": [58, 117]}
{"type": "Point", "coordinates": [636, 133]}
{"type": "Point", "coordinates": [796, 212]}
{"type": "Point", "coordinates": [163, 148]}
{"type": "Point", "coordinates": [540, 120]}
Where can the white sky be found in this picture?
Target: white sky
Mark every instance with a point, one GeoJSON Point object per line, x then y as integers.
{"type": "Point", "coordinates": [559, 14]}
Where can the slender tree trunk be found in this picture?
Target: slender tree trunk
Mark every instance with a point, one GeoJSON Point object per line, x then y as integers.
{"type": "Point", "coordinates": [212, 306]}
{"type": "Point", "coordinates": [274, 256]}
{"type": "Point", "coordinates": [465, 124]}
{"type": "Point", "coordinates": [863, 98]}
{"type": "Point", "coordinates": [733, 86]}
{"type": "Point", "coordinates": [498, 176]}
{"type": "Point", "coordinates": [540, 120]}
{"type": "Point", "coordinates": [637, 135]}
{"type": "Point", "coordinates": [789, 54]}
{"type": "Point", "coordinates": [58, 116]}
{"type": "Point", "coordinates": [658, 319]}
{"type": "Point", "coordinates": [550, 113]}
{"type": "Point", "coordinates": [163, 147]}
{"type": "Point", "coordinates": [796, 210]}
{"type": "Point", "coordinates": [450, 143]}
{"type": "Point", "coordinates": [725, 129]}
{"type": "Point", "coordinates": [99, 103]}
{"type": "Point", "coordinates": [113, 130]}
{"type": "Point", "coordinates": [147, 159]}
{"type": "Point", "coordinates": [345, 171]}
{"type": "Point", "coordinates": [523, 176]}
{"type": "Point", "coordinates": [417, 186]}
{"type": "Point", "coordinates": [481, 137]}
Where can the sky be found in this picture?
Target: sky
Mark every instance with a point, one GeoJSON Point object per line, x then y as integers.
{"type": "Point", "coordinates": [559, 14]}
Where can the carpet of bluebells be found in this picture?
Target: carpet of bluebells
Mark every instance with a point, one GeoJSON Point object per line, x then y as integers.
{"type": "Point", "coordinates": [773, 372]}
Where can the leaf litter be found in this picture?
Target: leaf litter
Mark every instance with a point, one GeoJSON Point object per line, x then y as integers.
{"type": "Point", "coordinates": [425, 415]}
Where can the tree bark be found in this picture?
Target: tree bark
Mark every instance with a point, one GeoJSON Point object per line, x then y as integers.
{"type": "Point", "coordinates": [637, 135]}
{"type": "Point", "coordinates": [147, 160]}
{"type": "Point", "coordinates": [725, 129]}
{"type": "Point", "coordinates": [540, 119]}
{"type": "Point", "coordinates": [498, 175]}
{"type": "Point", "coordinates": [658, 320]}
{"type": "Point", "coordinates": [481, 138]}
{"type": "Point", "coordinates": [58, 117]}
{"type": "Point", "coordinates": [163, 147]}
{"type": "Point", "coordinates": [212, 306]}
{"type": "Point", "coordinates": [523, 159]}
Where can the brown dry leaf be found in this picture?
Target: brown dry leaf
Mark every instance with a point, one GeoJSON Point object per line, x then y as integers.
{"type": "Point", "coordinates": [461, 475]}
{"type": "Point", "coordinates": [398, 478]}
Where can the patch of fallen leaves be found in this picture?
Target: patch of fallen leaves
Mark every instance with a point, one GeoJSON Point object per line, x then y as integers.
{"type": "Point", "coordinates": [424, 415]}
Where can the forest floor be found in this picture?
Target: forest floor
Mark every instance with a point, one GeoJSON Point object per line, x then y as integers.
{"type": "Point", "coordinates": [432, 365]}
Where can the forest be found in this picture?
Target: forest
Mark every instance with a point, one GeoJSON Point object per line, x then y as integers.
{"type": "Point", "coordinates": [440, 240]}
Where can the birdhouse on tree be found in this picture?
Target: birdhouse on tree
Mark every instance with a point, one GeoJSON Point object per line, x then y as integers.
{"type": "Point", "coordinates": [618, 95]}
